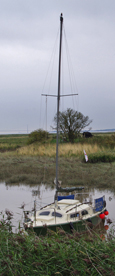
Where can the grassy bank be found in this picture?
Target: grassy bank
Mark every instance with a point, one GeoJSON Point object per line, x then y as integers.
{"type": "Point", "coordinates": [72, 171]}
{"type": "Point", "coordinates": [35, 163]}
{"type": "Point", "coordinates": [98, 142]}
{"type": "Point", "coordinates": [55, 254]}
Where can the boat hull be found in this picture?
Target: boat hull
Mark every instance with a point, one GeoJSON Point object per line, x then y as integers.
{"type": "Point", "coordinates": [80, 226]}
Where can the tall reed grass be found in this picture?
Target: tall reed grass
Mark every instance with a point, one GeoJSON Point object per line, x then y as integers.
{"type": "Point", "coordinates": [64, 149]}
{"type": "Point", "coordinates": [56, 254]}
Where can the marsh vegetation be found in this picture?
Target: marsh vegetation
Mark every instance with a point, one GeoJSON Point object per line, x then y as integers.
{"type": "Point", "coordinates": [32, 164]}
{"type": "Point", "coordinates": [56, 254]}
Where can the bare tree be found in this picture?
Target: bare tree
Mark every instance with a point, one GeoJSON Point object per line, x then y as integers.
{"type": "Point", "coordinates": [71, 123]}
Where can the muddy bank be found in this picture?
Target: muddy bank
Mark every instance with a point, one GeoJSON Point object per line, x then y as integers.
{"type": "Point", "coordinates": [72, 171]}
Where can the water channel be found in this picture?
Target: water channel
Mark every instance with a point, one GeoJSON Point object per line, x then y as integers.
{"type": "Point", "coordinates": [12, 197]}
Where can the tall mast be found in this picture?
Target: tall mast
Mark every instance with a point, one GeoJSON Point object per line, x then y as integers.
{"type": "Point", "coordinates": [58, 101]}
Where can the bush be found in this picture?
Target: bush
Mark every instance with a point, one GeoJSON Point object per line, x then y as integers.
{"type": "Point", "coordinates": [39, 135]}
{"type": "Point", "coordinates": [102, 157]}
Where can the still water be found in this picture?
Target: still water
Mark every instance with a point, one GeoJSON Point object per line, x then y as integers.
{"type": "Point", "coordinates": [13, 197]}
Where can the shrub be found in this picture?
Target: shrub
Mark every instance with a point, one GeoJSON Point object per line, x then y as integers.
{"type": "Point", "coordinates": [39, 135]}
{"type": "Point", "coordinates": [101, 157]}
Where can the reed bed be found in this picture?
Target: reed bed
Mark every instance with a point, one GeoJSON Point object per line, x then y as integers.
{"type": "Point", "coordinates": [56, 254]}
{"type": "Point", "coordinates": [64, 149]}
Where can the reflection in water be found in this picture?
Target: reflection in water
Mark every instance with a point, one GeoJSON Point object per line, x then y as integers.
{"type": "Point", "coordinates": [110, 198]}
{"type": "Point", "coordinates": [36, 192]}
{"type": "Point", "coordinates": [15, 197]}
{"type": "Point", "coordinates": [106, 227]}
{"type": "Point", "coordinates": [12, 197]}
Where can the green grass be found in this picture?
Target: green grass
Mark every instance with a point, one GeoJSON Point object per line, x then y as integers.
{"type": "Point", "coordinates": [12, 142]}
{"type": "Point", "coordinates": [56, 254]}
{"type": "Point", "coordinates": [105, 157]}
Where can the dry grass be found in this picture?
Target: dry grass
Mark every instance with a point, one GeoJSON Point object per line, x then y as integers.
{"type": "Point", "coordinates": [37, 150]}
{"type": "Point", "coordinates": [64, 150]}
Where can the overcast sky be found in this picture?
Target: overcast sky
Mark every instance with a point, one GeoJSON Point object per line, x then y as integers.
{"type": "Point", "coordinates": [29, 34]}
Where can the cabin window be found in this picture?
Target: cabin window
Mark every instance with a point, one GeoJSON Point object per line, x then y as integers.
{"type": "Point", "coordinates": [45, 213]}
{"type": "Point", "coordinates": [84, 212]}
{"type": "Point", "coordinates": [56, 214]}
{"type": "Point", "coordinates": [74, 215]}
